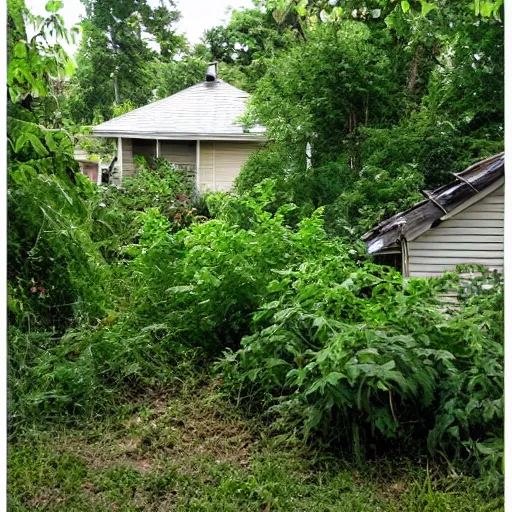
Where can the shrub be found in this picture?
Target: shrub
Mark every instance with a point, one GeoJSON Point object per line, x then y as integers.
{"type": "Point", "coordinates": [346, 353]}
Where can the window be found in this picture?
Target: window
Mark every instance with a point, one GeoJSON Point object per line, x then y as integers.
{"type": "Point", "coordinates": [391, 259]}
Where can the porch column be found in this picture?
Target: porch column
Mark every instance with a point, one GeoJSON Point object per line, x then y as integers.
{"type": "Point", "coordinates": [198, 164]}
{"type": "Point", "coordinates": [157, 148]}
{"type": "Point", "coordinates": [120, 158]}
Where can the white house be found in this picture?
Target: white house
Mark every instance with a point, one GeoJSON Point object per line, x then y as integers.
{"type": "Point", "coordinates": [197, 129]}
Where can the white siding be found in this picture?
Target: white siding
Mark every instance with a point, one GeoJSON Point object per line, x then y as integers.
{"type": "Point", "coordinates": [206, 175]}
{"type": "Point", "coordinates": [229, 159]}
{"type": "Point", "coordinates": [220, 163]}
{"type": "Point", "coordinates": [475, 235]}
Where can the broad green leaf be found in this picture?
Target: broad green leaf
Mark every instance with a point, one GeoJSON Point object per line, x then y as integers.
{"type": "Point", "coordinates": [20, 50]}
{"type": "Point", "coordinates": [301, 11]}
{"type": "Point", "coordinates": [334, 377]}
{"type": "Point", "coordinates": [50, 142]}
{"type": "Point", "coordinates": [36, 144]}
{"type": "Point", "coordinates": [54, 5]}
{"type": "Point", "coordinates": [382, 386]}
{"type": "Point", "coordinates": [426, 7]}
{"type": "Point", "coordinates": [70, 67]}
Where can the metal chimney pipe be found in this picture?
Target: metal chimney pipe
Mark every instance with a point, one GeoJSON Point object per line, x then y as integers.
{"type": "Point", "coordinates": [211, 72]}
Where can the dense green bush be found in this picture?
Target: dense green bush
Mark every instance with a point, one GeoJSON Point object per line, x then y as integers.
{"type": "Point", "coordinates": [195, 289]}
{"type": "Point", "coordinates": [118, 212]}
{"type": "Point", "coordinates": [373, 195]}
{"type": "Point", "coordinates": [345, 351]}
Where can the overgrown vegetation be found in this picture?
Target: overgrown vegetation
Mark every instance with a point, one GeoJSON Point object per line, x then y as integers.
{"type": "Point", "coordinates": [121, 295]}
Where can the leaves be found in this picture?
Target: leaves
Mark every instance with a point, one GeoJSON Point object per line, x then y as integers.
{"type": "Point", "coordinates": [427, 7]}
{"type": "Point", "coordinates": [54, 5]}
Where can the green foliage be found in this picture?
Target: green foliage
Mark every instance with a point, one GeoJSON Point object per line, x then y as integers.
{"type": "Point", "coordinates": [117, 291]}
{"type": "Point", "coordinates": [115, 60]}
{"type": "Point", "coordinates": [344, 351]}
{"type": "Point", "coordinates": [375, 195]}
{"type": "Point", "coordinates": [413, 85]}
{"type": "Point", "coordinates": [55, 271]}
{"type": "Point", "coordinates": [321, 90]}
{"type": "Point", "coordinates": [174, 76]}
{"type": "Point", "coordinates": [245, 44]}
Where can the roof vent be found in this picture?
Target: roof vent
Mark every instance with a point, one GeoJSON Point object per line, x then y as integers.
{"type": "Point", "coordinates": [211, 72]}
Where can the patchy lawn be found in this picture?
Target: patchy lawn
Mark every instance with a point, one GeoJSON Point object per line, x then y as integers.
{"type": "Point", "coordinates": [189, 452]}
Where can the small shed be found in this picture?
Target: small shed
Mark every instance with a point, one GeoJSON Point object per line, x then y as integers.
{"type": "Point", "coordinates": [197, 129]}
{"type": "Point", "coordinates": [461, 222]}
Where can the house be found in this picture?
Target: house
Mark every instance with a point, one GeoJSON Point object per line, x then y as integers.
{"type": "Point", "coordinates": [96, 165]}
{"type": "Point", "coordinates": [197, 129]}
{"type": "Point", "coordinates": [461, 222]}
{"type": "Point", "coordinates": [88, 166]}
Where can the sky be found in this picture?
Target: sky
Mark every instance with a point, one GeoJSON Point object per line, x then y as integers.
{"type": "Point", "coordinates": [197, 15]}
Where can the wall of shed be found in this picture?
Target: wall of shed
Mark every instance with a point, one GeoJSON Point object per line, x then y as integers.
{"type": "Point", "coordinates": [474, 235]}
{"type": "Point", "coordinates": [220, 163]}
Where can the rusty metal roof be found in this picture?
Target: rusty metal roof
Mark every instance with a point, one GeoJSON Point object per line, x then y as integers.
{"type": "Point", "coordinates": [438, 203]}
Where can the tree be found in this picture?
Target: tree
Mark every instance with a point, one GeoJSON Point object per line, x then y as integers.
{"type": "Point", "coordinates": [245, 44]}
{"type": "Point", "coordinates": [116, 53]}
{"type": "Point", "coordinates": [176, 75]}
{"type": "Point", "coordinates": [378, 91]}
{"type": "Point", "coordinates": [322, 90]}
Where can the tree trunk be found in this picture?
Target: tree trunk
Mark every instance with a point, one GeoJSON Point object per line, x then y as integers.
{"type": "Point", "coordinates": [352, 122]}
{"type": "Point", "coordinates": [117, 98]}
{"type": "Point", "coordinates": [413, 75]}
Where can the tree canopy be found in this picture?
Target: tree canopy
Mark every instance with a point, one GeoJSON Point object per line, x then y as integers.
{"type": "Point", "coordinates": [120, 41]}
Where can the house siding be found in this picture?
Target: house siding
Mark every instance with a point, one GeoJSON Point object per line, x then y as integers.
{"type": "Point", "coordinates": [220, 163]}
{"type": "Point", "coordinates": [229, 160]}
{"type": "Point", "coordinates": [179, 152]}
{"type": "Point", "coordinates": [475, 235]}
{"type": "Point", "coordinates": [128, 163]}
{"type": "Point", "coordinates": [206, 166]}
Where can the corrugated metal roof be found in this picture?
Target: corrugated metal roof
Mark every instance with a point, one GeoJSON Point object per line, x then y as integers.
{"type": "Point", "coordinates": [208, 110]}
{"type": "Point", "coordinates": [420, 217]}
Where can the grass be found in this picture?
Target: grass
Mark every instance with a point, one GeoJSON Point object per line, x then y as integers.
{"type": "Point", "coordinates": [188, 451]}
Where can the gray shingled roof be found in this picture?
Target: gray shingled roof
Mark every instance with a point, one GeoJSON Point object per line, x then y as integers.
{"type": "Point", "coordinates": [208, 110]}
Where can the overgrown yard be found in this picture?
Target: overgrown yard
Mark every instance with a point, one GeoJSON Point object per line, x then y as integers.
{"type": "Point", "coordinates": [242, 352]}
{"type": "Point", "coordinates": [187, 449]}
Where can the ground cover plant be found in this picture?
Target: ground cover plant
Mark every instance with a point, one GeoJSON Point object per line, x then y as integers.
{"type": "Point", "coordinates": [242, 352]}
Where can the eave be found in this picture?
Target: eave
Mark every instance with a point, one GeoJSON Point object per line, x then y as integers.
{"type": "Point", "coordinates": [181, 136]}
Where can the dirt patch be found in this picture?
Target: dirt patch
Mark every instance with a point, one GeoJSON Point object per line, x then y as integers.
{"type": "Point", "coordinates": [183, 429]}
